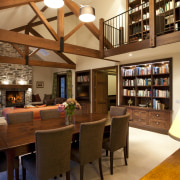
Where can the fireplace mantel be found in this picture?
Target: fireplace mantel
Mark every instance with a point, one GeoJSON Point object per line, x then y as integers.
{"type": "Point", "coordinates": [10, 86]}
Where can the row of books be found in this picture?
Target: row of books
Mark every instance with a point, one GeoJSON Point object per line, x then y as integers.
{"type": "Point", "coordinates": [161, 69]}
{"type": "Point", "coordinates": [127, 92]}
{"type": "Point", "coordinates": [160, 93]}
{"type": "Point", "coordinates": [143, 70]}
{"type": "Point", "coordinates": [128, 82]}
{"type": "Point", "coordinates": [158, 105]}
{"type": "Point", "coordinates": [83, 78]}
{"type": "Point", "coordinates": [128, 72]}
{"type": "Point", "coordinates": [161, 81]}
{"type": "Point", "coordinates": [144, 93]}
{"type": "Point", "coordinates": [143, 82]}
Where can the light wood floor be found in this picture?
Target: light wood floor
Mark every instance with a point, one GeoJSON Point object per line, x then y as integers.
{"type": "Point", "coordinates": [147, 149]}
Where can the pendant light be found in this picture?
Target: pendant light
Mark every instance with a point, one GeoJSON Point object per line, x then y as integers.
{"type": "Point", "coordinates": [54, 3]}
{"type": "Point", "coordinates": [87, 13]}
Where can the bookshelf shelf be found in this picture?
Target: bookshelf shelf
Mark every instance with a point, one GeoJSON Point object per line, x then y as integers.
{"type": "Point", "coordinates": [152, 89]}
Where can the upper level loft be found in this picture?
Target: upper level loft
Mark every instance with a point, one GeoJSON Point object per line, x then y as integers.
{"type": "Point", "coordinates": [145, 24]}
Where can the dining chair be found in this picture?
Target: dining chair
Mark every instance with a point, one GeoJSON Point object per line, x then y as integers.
{"type": "Point", "coordinates": [118, 137]}
{"type": "Point", "coordinates": [89, 147]}
{"type": "Point", "coordinates": [50, 114]}
{"type": "Point", "coordinates": [117, 111]}
{"type": "Point", "coordinates": [52, 155]}
{"type": "Point", "coordinates": [13, 118]}
{"type": "Point", "coordinates": [3, 164]}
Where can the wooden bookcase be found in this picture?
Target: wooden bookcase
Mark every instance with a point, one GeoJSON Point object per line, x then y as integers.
{"type": "Point", "coordinates": [83, 90]}
{"type": "Point", "coordinates": [138, 20]}
{"type": "Point", "coordinates": [148, 85]}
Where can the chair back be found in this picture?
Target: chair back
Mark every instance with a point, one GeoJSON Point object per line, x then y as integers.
{"type": "Point", "coordinates": [117, 111]}
{"type": "Point", "coordinates": [118, 132]}
{"type": "Point", "coordinates": [53, 151]}
{"type": "Point", "coordinates": [13, 118]}
{"type": "Point", "coordinates": [91, 136]}
{"type": "Point", "coordinates": [50, 114]}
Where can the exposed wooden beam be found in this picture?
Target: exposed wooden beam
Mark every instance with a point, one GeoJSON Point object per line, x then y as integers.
{"type": "Point", "coordinates": [18, 29]}
{"type": "Point", "coordinates": [18, 50]}
{"type": "Point", "coordinates": [35, 33]}
{"type": "Point", "coordinates": [101, 38]}
{"type": "Point", "coordinates": [34, 52]}
{"type": "Point", "coordinates": [60, 22]}
{"type": "Point", "coordinates": [73, 31]}
{"type": "Point", "coordinates": [112, 60]}
{"type": "Point", "coordinates": [75, 9]}
{"type": "Point", "coordinates": [36, 16]}
{"type": "Point", "coordinates": [19, 38]}
{"type": "Point", "coordinates": [44, 20]}
{"type": "Point", "coordinates": [78, 50]}
{"type": "Point", "coordinates": [11, 60]}
{"type": "Point", "coordinates": [64, 57]}
{"type": "Point", "coordinates": [12, 3]}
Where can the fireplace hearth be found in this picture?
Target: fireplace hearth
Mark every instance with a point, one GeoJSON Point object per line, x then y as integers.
{"type": "Point", "coordinates": [15, 98]}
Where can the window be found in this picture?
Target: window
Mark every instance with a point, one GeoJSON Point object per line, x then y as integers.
{"type": "Point", "coordinates": [62, 87]}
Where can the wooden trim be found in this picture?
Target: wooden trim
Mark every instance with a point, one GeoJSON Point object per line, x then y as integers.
{"type": "Point", "coordinates": [112, 60]}
{"type": "Point", "coordinates": [11, 60]}
{"type": "Point", "coordinates": [10, 86]}
{"type": "Point", "coordinates": [101, 38]}
{"type": "Point", "coordinates": [74, 30]}
{"type": "Point", "coordinates": [78, 50]}
{"type": "Point", "coordinates": [18, 50]}
{"type": "Point", "coordinates": [44, 20]}
{"type": "Point", "coordinates": [18, 38]}
{"type": "Point", "coordinates": [75, 9]}
{"type": "Point", "coordinates": [168, 38]}
{"type": "Point", "coordinates": [127, 48]}
{"type": "Point", "coordinates": [12, 3]}
{"type": "Point", "coordinates": [60, 22]}
{"type": "Point", "coordinates": [152, 23]}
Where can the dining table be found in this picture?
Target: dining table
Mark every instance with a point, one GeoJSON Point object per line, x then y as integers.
{"type": "Point", "coordinates": [19, 139]}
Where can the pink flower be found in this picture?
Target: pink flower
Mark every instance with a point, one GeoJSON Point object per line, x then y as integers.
{"type": "Point", "coordinates": [61, 108]}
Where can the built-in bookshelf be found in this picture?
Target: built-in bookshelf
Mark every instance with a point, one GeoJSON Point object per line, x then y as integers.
{"type": "Point", "coordinates": [146, 87]}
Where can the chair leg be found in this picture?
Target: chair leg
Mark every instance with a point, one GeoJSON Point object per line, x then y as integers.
{"type": "Point", "coordinates": [81, 172]}
{"type": "Point", "coordinates": [106, 152]}
{"type": "Point", "coordinates": [68, 175]}
{"type": "Point", "coordinates": [111, 162]}
{"type": "Point", "coordinates": [100, 169]}
{"type": "Point", "coordinates": [24, 173]}
{"type": "Point", "coordinates": [125, 155]}
{"type": "Point", "coordinates": [17, 173]}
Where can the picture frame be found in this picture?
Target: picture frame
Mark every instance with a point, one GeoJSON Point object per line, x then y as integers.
{"type": "Point", "coordinates": [39, 84]}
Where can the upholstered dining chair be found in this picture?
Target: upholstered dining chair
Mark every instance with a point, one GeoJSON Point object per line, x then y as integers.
{"type": "Point", "coordinates": [13, 118]}
{"type": "Point", "coordinates": [3, 164]}
{"type": "Point", "coordinates": [89, 147]}
{"type": "Point", "coordinates": [118, 137]}
{"type": "Point", "coordinates": [50, 114]}
{"type": "Point", "coordinates": [52, 155]}
{"type": "Point", "coordinates": [117, 111]}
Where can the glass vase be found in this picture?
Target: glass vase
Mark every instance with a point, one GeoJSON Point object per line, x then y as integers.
{"type": "Point", "coordinates": [68, 119]}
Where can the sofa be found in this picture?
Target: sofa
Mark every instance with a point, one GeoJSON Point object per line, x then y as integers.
{"type": "Point", "coordinates": [35, 110]}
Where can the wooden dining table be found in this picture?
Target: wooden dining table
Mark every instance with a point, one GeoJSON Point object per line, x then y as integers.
{"type": "Point", "coordinates": [18, 139]}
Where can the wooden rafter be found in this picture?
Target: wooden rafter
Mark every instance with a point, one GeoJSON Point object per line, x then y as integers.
{"type": "Point", "coordinates": [44, 20]}
{"type": "Point", "coordinates": [13, 3]}
{"type": "Point", "coordinates": [32, 41]}
{"type": "Point", "coordinates": [34, 52]}
{"type": "Point", "coordinates": [60, 22]}
{"type": "Point", "coordinates": [4, 59]}
{"type": "Point", "coordinates": [75, 9]}
{"type": "Point", "coordinates": [18, 29]}
{"type": "Point", "coordinates": [73, 31]}
{"type": "Point", "coordinates": [18, 50]}
{"type": "Point", "coordinates": [65, 58]}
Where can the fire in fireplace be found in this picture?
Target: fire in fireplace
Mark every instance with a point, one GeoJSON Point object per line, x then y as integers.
{"type": "Point", "coordinates": [15, 98]}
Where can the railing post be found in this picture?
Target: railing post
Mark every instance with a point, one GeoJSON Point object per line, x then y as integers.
{"type": "Point", "coordinates": [152, 23]}
{"type": "Point", "coordinates": [101, 38]}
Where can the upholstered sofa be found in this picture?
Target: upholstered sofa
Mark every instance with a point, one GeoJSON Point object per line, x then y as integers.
{"type": "Point", "coordinates": [35, 110]}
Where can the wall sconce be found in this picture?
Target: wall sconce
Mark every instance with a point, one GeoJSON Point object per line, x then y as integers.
{"type": "Point", "coordinates": [22, 82]}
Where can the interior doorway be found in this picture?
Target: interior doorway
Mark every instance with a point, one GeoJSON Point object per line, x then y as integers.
{"type": "Point", "coordinates": [104, 89]}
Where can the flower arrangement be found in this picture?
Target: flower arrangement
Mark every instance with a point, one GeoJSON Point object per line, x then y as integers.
{"type": "Point", "coordinates": [69, 106]}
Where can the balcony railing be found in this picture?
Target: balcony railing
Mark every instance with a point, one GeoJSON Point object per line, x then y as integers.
{"type": "Point", "coordinates": [134, 24]}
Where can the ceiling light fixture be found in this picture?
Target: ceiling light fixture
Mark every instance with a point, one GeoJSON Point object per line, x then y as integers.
{"type": "Point", "coordinates": [54, 3]}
